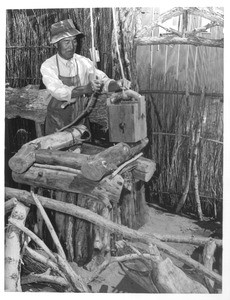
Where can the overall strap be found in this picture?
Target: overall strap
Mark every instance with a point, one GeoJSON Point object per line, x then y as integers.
{"type": "Point", "coordinates": [58, 65]}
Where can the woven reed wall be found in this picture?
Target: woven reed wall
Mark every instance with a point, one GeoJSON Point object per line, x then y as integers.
{"type": "Point", "coordinates": [173, 117]}
{"type": "Point", "coordinates": [27, 40]}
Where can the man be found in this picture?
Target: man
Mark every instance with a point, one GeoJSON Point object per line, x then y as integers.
{"type": "Point", "coordinates": [69, 77]}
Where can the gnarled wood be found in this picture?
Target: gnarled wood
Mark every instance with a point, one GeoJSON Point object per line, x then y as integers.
{"type": "Point", "coordinates": [125, 231]}
{"type": "Point", "coordinates": [72, 182]}
{"type": "Point", "coordinates": [13, 248]}
{"type": "Point", "coordinates": [106, 161]}
{"type": "Point", "coordinates": [208, 260]}
{"type": "Point", "coordinates": [61, 158]}
{"type": "Point", "coordinates": [168, 278]}
{"type": "Point", "coordinates": [144, 169]}
{"type": "Point", "coordinates": [25, 157]}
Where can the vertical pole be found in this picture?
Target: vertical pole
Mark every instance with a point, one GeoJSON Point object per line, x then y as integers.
{"type": "Point", "coordinates": [92, 41]}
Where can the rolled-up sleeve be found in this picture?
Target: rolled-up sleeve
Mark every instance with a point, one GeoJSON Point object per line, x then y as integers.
{"type": "Point", "coordinates": [54, 85]}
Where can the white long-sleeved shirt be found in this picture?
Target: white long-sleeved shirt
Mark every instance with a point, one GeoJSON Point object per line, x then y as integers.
{"type": "Point", "coordinates": [81, 66]}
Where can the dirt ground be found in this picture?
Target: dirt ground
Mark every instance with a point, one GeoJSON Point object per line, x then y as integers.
{"type": "Point", "coordinates": [114, 280]}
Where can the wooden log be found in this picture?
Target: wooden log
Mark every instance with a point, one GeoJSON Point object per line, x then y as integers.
{"type": "Point", "coordinates": [74, 183]}
{"type": "Point", "coordinates": [43, 259]}
{"type": "Point", "coordinates": [60, 218]}
{"type": "Point", "coordinates": [25, 197]}
{"type": "Point", "coordinates": [168, 278]}
{"type": "Point", "coordinates": [75, 280]}
{"type": "Point", "coordinates": [194, 240]}
{"type": "Point", "coordinates": [13, 248]}
{"type": "Point", "coordinates": [106, 161]}
{"type": "Point", "coordinates": [144, 169]}
{"type": "Point", "coordinates": [129, 233]}
{"type": "Point", "coordinates": [25, 157]}
{"type": "Point", "coordinates": [69, 228]}
{"type": "Point", "coordinates": [175, 40]}
{"type": "Point", "coordinates": [61, 158]}
{"type": "Point", "coordinates": [44, 278]}
{"type": "Point", "coordinates": [40, 221]}
{"type": "Point", "coordinates": [49, 226]}
{"type": "Point", "coordinates": [9, 205]}
{"type": "Point", "coordinates": [208, 260]}
{"type": "Point", "coordinates": [34, 237]}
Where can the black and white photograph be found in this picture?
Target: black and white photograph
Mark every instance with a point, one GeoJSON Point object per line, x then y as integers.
{"type": "Point", "coordinates": [114, 150]}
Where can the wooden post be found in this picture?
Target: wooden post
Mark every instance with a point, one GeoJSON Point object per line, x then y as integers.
{"type": "Point", "coordinates": [13, 249]}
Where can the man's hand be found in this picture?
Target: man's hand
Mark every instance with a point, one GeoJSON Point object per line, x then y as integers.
{"type": "Point", "coordinates": [124, 83]}
{"type": "Point", "coordinates": [93, 86]}
{"type": "Point", "coordinates": [66, 103]}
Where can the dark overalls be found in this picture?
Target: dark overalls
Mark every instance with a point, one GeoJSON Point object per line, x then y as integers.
{"type": "Point", "coordinates": [58, 117]}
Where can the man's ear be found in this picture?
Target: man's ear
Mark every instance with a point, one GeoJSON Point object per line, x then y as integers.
{"type": "Point", "coordinates": [56, 45]}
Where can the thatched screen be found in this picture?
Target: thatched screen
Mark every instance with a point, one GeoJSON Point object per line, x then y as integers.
{"type": "Point", "coordinates": [27, 40]}
{"type": "Point", "coordinates": [184, 127]}
{"type": "Point", "coordinates": [167, 74]}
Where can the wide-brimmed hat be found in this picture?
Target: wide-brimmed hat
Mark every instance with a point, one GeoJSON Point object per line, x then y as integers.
{"type": "Point", "coordinates": [63, 29]}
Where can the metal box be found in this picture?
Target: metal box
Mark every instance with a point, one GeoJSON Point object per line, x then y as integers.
{"type": "Point", "coordinates": [127, 121]}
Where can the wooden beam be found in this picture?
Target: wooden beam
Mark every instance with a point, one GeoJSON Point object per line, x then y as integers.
{"type": "Point", "coordinates": [175, 40]}
{"type": "Point", "coordinates": [107, 161]}
{"type": "Point", "coordinates": [60, 158]}
{"type": "Point", "coordinates": [27, 198]}
{"type": "Point", "coordinates": [106, 190]}
{"type": "Point", "coordinates": [25, 157]}
{"type": "Point", "coordinates": [142, 169]}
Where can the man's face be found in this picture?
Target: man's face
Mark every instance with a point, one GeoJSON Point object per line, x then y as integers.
{"type": "Point", "coordinates": [67, 47]}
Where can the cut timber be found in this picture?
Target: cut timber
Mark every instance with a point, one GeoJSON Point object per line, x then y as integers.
{"type": "Point", "coordinates": [106, 161]}
{"type": "Point", "coordinates": [128, 233]}
{"type": "Point", "coordinates": [144, 169]}
{"type": "Point", "coordinates": [160, 276]}
{"type": "Point", "coordinates": [25, 157]}
{"type": "Point", "coordinates": [61, 158]}
{"type": "Point", "coordinates": [168, 278]}
{"type": "Point", "coordinates": [74, 183]}
{"type": "Point", "coordinates": [208, 260]}
{"type": "Point", "coordinates": [13, 249]}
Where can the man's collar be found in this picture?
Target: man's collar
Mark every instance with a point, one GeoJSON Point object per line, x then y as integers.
{"type": "Point", "coordinates": [64, 61]}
